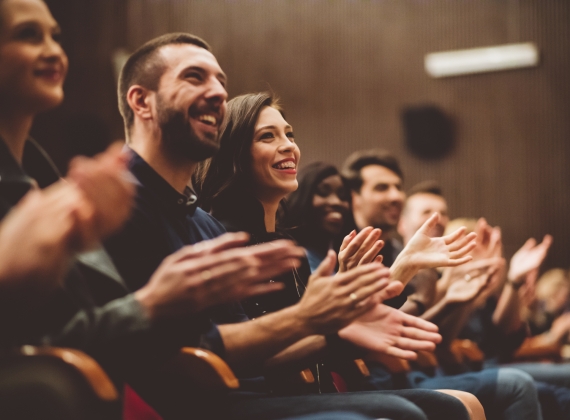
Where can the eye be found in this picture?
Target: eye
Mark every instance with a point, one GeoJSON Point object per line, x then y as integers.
{"type": "Point", "coordinates": [30, 34]}
{"type": "Point", "coordinates": [268, 135]}
{"type": "Point", "coordinates": [57, 37]}
{"type": "Point", "coordinates": [194, 75]}
{"type": "Point", "coordinates": [290, 135]}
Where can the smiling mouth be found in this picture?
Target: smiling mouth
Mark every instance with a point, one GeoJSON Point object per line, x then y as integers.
{"type": "Point", "coordinates": [285, 165]}
{"type": "Point", "coordinates": [207, 119]}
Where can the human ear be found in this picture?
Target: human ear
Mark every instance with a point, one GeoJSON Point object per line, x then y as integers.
{"type": "Point", "coordinates": [140, 101]}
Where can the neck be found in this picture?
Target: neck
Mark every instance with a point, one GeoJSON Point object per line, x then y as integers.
{"type": "Point", "coordinates": [319, 241]}
{"type": "Point", "coordinates": [177, 172]}
{"type": "Point", "coordinates": [270, 213]}
{"type": "Point", "coordinates": [14, 131]}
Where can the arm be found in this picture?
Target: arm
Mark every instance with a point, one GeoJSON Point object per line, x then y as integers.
{"type": "Point", "coordinates": [529, 257]}
{"type": "Point", "coordinates": [329, 304]}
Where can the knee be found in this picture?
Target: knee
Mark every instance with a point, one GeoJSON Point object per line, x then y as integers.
{"type": "Point", "coordinates": [470, 401]}
{"type": "Point", "coordinates": [516, 380]}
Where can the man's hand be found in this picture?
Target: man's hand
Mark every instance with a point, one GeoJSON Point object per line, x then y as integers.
{"type": "Point", "coordinates": [107, 183]}
{"type": "Point", "coordinates": [361, 248]}
{"type": "Point", "coordinates": [40, 235]}
{"type": "Point", "coordinates": [528, 258]}
{"type": "Point", "coordinates": [216, 272]}
{"type": "Point", "coordinates": [332, 302]}
{"type": "Point", "coordinates": [423, 251]}
{"type": "Point", "coordinates": [390, 331]}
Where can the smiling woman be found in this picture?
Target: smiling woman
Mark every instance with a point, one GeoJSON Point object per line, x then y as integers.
{"type": "Point", "coordinates": [245, 182]}
{"type": "Point", "coordinates": [33, 67]}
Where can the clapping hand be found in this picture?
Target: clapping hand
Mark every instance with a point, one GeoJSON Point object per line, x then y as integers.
{"type": "Point", "coordinates": [528, 258]}
{"type": "Point", "coordinates": [361, 248]}
{"type": "Point", "coordinates": [423, 251]}
{"type": "Point", "coordinates": [393, 332]}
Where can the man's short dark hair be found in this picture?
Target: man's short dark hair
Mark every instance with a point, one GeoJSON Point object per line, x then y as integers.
{"type": "Point", "coordinates": [358, 160]}
{"type": "Point", "coordinates": [426, 187]}
{"type": "Point", "coordinates": [145, 68]}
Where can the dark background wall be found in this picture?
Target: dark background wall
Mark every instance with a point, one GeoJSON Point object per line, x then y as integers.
{"type": "Point", "coordinates": [345, 70]}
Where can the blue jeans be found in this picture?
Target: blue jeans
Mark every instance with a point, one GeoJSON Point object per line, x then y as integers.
{"type": "Point", "coordinates": [505, 393]}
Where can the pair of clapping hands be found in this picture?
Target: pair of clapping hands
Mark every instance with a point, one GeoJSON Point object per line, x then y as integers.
{"type": "Point", "coordinates": [47, 227]}
{"type": "Point", "coordinates": [222, 270]}
{"type": "Point", "coordinates": [478, 279]}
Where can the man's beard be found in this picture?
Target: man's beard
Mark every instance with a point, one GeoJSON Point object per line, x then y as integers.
{"type": "Point", "coordinates": [179, 138]}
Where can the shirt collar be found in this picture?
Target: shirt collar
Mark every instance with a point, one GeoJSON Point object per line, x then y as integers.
{"type": "Point", "coordinates": [14, 182]}
{"type": "Point", "coordinates": [164, 193]}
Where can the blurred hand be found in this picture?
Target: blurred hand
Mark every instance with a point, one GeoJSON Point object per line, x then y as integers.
{"type": "Point", "coordinates": [108, 184]}
{"type": "Point", "coordinates": [391, 331]}
{"type": "Point", "coordinates": [560, 328]}
{"type": "Point", "coordinates": [528, 258]}
{"type": "Point", "coordinates": [40, 235]}
{"type": "Point", "coordinates": [214, 272]}
{"type": "Point", "coordinates": [423, 251]}
{"type": "Point", "coordinates": [361, 248]}
{"type": "Point", "coordinates": [466, 289]}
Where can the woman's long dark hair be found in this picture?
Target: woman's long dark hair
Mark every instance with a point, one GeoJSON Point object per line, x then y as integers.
{"type": "Point", "coordinates": [228, 173]}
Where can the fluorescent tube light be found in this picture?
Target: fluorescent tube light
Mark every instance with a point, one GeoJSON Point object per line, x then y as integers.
{"type": "Point", "coordinates": [480, 60]}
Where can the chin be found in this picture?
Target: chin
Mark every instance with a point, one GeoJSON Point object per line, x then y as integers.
{"type": "Point", "coordinates": [48, 101]}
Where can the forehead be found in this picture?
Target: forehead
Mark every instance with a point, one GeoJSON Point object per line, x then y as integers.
{"type": "Point", "coordinates": [15, 12]}
{"type": "Point", "coordinates": [178, 57]}
{"type": "Point", "coordinates": [270, 116]}
{"type": "Point", "coordinates": [424, 201]}
{"type": "Point", "coordinates": [376, 174]}
{"type": "Point", "coordinates": [334, 180]}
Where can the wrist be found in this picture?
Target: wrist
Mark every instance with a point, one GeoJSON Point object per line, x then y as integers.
{"type": "Point", "coordinates": [403, 269]}
{"type": "Point", "coordinates": [146, 300]}
{"type": "Point", "coordinates": [303, 322]}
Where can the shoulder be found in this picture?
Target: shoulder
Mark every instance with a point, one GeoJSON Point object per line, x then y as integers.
{"type": "Point", "coordinates": [207, 223]}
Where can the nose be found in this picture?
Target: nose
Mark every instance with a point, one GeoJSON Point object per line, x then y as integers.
{"type": "Point", "coordinates": [52, 49]}
{"type": "Point", "coordinates": [395, 194]}
{"type": "Point", "coordinates": [286, 144]}
{"type": "Point", "coordinates": [216, 91]}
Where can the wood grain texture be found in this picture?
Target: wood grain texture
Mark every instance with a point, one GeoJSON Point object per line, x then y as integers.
{"type": "Point", "coordinates": [345, 69]}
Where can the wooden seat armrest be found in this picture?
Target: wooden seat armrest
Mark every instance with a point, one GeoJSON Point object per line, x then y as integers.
{"type": "Point", "coordinates": [95, 376]}
{"type": "Point", "coordinates": [362, 368]}
{"type": "Point", "coordinates": [426, 359]}
{"type": "Point", "coordinates": [203, 367]}
{"type": "Point", "coordinates": [467, 350]}
{"type": "Point", "coordinates": [392, 363]}
{"type": "Point", "coordinates": [530, 350]}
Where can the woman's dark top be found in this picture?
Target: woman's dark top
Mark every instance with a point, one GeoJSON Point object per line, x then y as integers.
{"type": "Point", "coordinates": [246, 214]}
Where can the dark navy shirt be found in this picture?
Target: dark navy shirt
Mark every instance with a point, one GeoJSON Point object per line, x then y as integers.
{"type": "Point", "coordinates": [163, 221]}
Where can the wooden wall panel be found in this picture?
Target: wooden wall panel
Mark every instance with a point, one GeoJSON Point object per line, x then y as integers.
{"type": "Point", "coordinates": [345, 69]}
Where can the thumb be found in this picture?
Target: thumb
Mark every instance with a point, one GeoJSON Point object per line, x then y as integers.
{"type": "Point", "coordinates": [430, 223]}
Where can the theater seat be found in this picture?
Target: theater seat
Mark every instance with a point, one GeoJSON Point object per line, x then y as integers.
{"type": "Point", "coordinates": [95, 377]}
{"type": "Point", "coordinates": [531, 350]}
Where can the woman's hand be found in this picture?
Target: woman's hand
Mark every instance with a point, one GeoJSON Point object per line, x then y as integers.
{"type": "Point", "coordinates": [332, 302]}
{"type": "Point", "coordinates": [391, 331]}
{"type": "Point", "coordinates": [361, 248]}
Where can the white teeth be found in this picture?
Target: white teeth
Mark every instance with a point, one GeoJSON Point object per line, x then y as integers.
{"type": "Point", "coordinates": [208, 119]}
{"type": "Point", "coordinates": [285, 165]}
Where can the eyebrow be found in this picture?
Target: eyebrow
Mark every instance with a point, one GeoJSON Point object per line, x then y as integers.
{"type": "Point", "coordinates": [272, 127]}
{"type": "Point", "coordinates": [220, 75]}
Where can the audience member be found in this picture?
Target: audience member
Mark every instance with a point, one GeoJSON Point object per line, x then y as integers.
{"type": "Point", "coordinates": [490, 386]}
{"type": "Point", "coordinates": [172, 118]}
